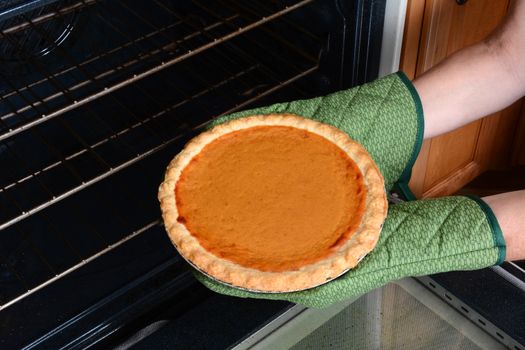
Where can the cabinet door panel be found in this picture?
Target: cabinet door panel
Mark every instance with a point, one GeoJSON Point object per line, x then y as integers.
{"type": "Point", "coordinates": [454, 151]}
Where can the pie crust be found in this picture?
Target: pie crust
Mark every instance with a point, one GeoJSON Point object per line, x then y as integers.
{"type": "Point", "coordinates": [344, 257]}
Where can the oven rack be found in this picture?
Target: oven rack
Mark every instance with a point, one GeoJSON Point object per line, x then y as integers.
{"type": "Point", "coordinates": [98, 83]}
{"type": "Point", "coordinates": [87, 149]}
{"type": "Point", "coordinates": [58, 139]}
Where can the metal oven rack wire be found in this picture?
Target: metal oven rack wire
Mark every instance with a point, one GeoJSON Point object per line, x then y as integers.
{"type": "Point", "coordinates": [73, 115]}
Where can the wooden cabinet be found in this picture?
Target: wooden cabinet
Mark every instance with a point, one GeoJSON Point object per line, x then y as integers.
{"type": "Point", "coordinates": [435, 29]}
{"type": "Point", "coordinates": [518, 154]}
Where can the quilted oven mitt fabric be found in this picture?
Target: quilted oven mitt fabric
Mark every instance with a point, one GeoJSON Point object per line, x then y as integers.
{"type": "Point", "coordinates": [385, 116]}
{"type": "Point", "coordinates": [418, 238]}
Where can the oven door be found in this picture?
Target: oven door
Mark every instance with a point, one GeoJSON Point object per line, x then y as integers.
{"type": "Point", "coordinates": [401, 315]}
{"type": "Point", "coordinates": [422, 313]}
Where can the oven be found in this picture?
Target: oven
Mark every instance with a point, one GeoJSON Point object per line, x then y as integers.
{"type": "Point", "coordinates": [96, 97]}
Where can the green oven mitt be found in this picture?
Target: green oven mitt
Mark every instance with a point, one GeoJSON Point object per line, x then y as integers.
{"type": "Point", "coordinates": [385, 116]}
{"type": "Point", "coordinates": [418, 238]}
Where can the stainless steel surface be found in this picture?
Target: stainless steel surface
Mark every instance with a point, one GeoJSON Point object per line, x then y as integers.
{"type": "Point", "coordinates": [392, 36]}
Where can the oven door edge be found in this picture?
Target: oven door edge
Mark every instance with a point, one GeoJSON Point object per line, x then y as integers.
{"type": "Point", "coordinates": [392, 42]}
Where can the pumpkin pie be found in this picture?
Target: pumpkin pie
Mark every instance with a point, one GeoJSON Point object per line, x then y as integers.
{"type": "Point", "coordinates": [273, 203]}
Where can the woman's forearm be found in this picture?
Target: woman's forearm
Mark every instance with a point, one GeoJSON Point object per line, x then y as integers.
{"type": "Point", "coordinates": [476, 81]}
{"type": "Point", "coordinates": [509, 209]}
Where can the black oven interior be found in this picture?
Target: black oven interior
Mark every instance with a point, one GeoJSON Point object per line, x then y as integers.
{"type": "Point", "coordinates": [96, 97]}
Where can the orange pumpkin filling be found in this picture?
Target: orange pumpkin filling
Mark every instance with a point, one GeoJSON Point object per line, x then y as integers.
{"type": "Point", "coordinates": [273, 198]}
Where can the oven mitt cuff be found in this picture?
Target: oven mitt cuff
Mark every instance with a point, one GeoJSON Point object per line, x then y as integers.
{"type": "Point", "coordinates": [418, 238]}
{"type": "Point", "coordinates": [385, 116]}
